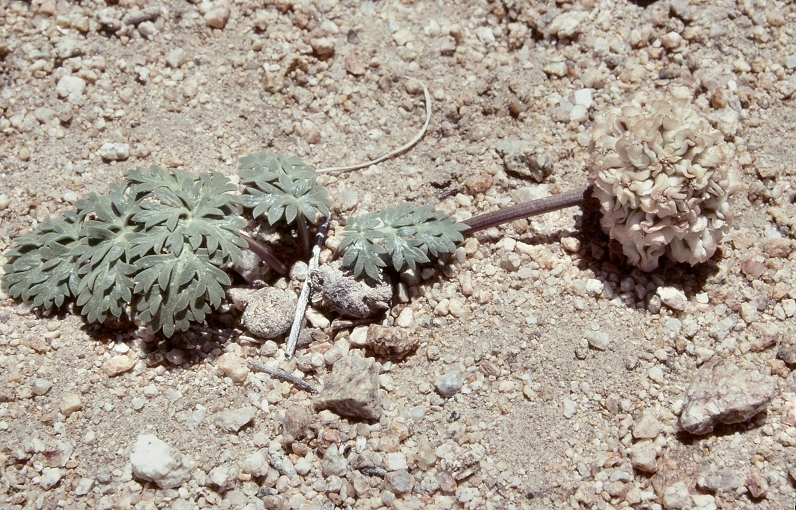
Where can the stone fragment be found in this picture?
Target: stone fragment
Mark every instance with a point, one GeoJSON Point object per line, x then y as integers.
{"type": "Point", "coordinates": [723, 480]}
{"type": "Point", "coordinates": [176, 57]}
{"type": "Point", "coordinates": [233, 367]}
{"type": "Point", "coordinates": [354, 66]}
{"type": "Point", "coordinates": [256, 464]}
{"type": "Point", "coordinates": [757, 484]}
{"type": "Point", "coordinates": [450, 383]}
{"type": "Point", "coordinates": [114, 151]}
{"type": "Point", "coordinates": [155, 461]}
{"type": "Point", "coordinates": [390, 342]}
{"type": "Point", "coordinates": [71, 88]}
{"type": "Point", "coordinates": [223, 477]}
{"type": "Point", "coordinates": [84, 486]}
{"type": "Point", "coordinates": [478, 183]}
{"type": "Point", "coordinates": [723, 392]}
{"type": "Point", "coordinates": [647, 426]}
{"type": "Point", "coordinates": [323, 47]}
{"type": "Point", "coordinates": [333, 464]}
{"type": "Point", "coordinates": [50, 477]}
{"type": "Point", "coordinates": [400, 482]}
{"type": "Point", "coordinates": [336, 289]}
{"type": "Point", "coordinates": [352, 389]}
{"type": "Point", "coordinates": [597, 339]}
{"type": "Point", "coordinates": [676, 497]}
{"type": "Point", "coordinates": [40, 386]}
{"type": "Point", "coordinates": [525, 159]}
{"type": "Point", "coordinates": [70, 403]}
{"type": "Point", "coordinates": [673, 298]}
{"type": "Point", "coordinates": [217, 16]}
{"type": "Point", "coordinates": [462, 462]}
{"type": "Point", "coordinates": [116, 365]}
{"type": "Point", "coordinates": [642, 457]}
{"type": "Point", "coordinates": [787, 349]}
{"type": "Point", "coordinates": [566, 25]}
{"type": "Point", "coordinates": [269, 313]}
{"type": "Point", "coordinates": [232, 420]}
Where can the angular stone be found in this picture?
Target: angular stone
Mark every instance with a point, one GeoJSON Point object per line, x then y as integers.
{"type": "Point", "coordinates": [337, 289]}
{"type": "Point", "coordinates": [70, 403]}
{"type": "Point", "coordinates": [723, 392]}
{"type": "Point", "coordinates": [352, 389]}
{"type": "Point", "coordinates": [118, 365]}
{"type": "Point", "coordinates": [233, 367]}
{"type": "Point", "coordinates": [647, 427]}
{"type": "Point", "coordinates": [642, 456]}
{"type": "Point", "coordinates": [525, 159]}
{"type": "Point", "coordinates": [155, 461]}
{"type": "Point", "coordinates": [391, 342]}
{"type": "Point", "coordinates": [232, 420]}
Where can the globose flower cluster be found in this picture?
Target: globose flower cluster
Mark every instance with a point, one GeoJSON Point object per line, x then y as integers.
{"type": "Point", "coordinates": [663, 177]}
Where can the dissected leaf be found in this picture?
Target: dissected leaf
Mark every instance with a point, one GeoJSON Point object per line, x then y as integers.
{"type": "Point", "coordinates": [406, 233]}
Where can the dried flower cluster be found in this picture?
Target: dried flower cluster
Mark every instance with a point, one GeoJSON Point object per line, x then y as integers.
{"type": "Point", "coordinates": [662, 175]}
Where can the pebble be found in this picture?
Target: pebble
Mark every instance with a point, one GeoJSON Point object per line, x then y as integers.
{"type": "Point", "coordinates": [571, 244]}
{"type": "Point", "coordinates": [594, 287]}
{"type": "Point", "coordinates": [757, 484]}
{"type": "Point", "coordinates": [223, 477]}
{"type": "Point", "coordinates": [155, 461]}
{"type": "Point", "coordinates": [703, 502]}
{"type": "Point", "coordinates": [673, 298]}
{"type": "Point", "coordinates": [217, 16]}
{"type": "Point", "coordinates": [333, 464]}
{"type": "Point", "coordinates": [50, 477]}
{"type": "Point", "coordinates": [71, 88]}
{"type": "Point", "coordinates": [232, 420]}
{"type": "Point", "coordinates": [647, 426]}
{"type": "Point", "coordinates": [725, 480]}
{"type": "Point", "coordinates": [114, 151]}
{"type": "Point", "coordinates": [723, 392]}
{"type": "Point", "coordinates": [116, 365]}
{"type": "Point", "coordinates": [570, 406]}
{"type": "Point", "coordinates": [256, 463]}
{"type": "Point", "coordinates": [406, 318]}
{"type": "Point", "coordinates": [597, 339]}
{"type": "Point", "coordinates": [233, 367]}
{"type": "Point", "coordinates": [70, 403]}
{"type": "Point", "coordinates": [359, 298]}
{"type": "Point", "coordinates": [352, 389]}
{"type": "Point", "coordinates": [642, 457]}
{"type": "Point", "coordinates": [395, 461]}
{"type": "Point", "coordinates": [450, 383]}
{"type": "Point", "coordinates": [84, 486]}
{"type": "Point", "coordinates": [391, 342]}
{"type": "Point", "coordinates": [525, 159]}
{"type": "Point", "coordinates": [566, 25]}
{"type": "Point", "coordinates": [656, 375]}
{"type": "Point", "coordinates": [176, 57]}
{"type": "Point", "coordinates": [676, 497]}
{"type": "Point", "coordinates": [269, 313]}
{"type": "Point", "coordinates": [40, 386]}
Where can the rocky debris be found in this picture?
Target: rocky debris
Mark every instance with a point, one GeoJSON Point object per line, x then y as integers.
{"type": "Point", "coordinates": [723, 392]}
{"type": "Point", "coordinates": [450, 383]}
{"type": "Point", "coordinates": [390, 342]}
{"type": "Point", "coordinates": [117, 365]}
{"type": "Point", "coordinates": [333, 464]}
{"type": "Point", "coordinates": [223, 477]}
{"type": "Point", "coordinates": [217, 16]}
{"type": "Point", "coordinates": [352, 389]}
{"type": "Point", "coordinates": [233, 367]}
{"type": "Point", "coordinates": [525, 159]}
{"type": "Point", "coordinates": [176, 58]}
{"type": "Point", "coordinates": [647, 426]}
{"type": "Point", "coordinates": [256, 464]}
{"type": "Point", "coordinates": [155, 461]}
{"type": "Point", "coordinates": [71, 88]}
{"type": "Point", "coordinates": [40, 386]}
{"type": "Point", "coordinates": [269, 313]}
{"type": "Point", "coordinates": [643, 457]}
{"type": "Point", "coordinates": [50, 477]}
{"type": "Point", "coordinates": [722, 480]}
{"type": "Point", "coordinates": [597, 339]}
{"type": "Point", "coordinates": [676, 497]}
{"type": "Point", "coordinates": [400, 482]}
{"type": "Point", "coordinates": [113, 151]}
{"type": "Point", "coordinates": [232, 420]}
{"type": "Point", "coordinates": [70, 403]}
{"type": "Point", "coordinates": [336, 289]}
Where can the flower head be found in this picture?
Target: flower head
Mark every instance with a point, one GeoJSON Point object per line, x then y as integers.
{"type": "Point", "coordinates": [662, 175]}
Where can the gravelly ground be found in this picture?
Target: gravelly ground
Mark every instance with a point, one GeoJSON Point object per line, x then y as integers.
{"type": "Point", "coordinates": [547, 419]}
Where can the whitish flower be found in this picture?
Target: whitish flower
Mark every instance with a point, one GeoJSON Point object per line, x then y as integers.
{"type": "Point", "coordinates": [662, 175]}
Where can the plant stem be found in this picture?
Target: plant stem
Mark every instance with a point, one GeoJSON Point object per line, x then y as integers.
{"type": "Point", "coordinates": [266, 255]}
{"type": "Point", "coordinates": [527, 209]}
{"type": "Point", "coordinates": [303, 234]}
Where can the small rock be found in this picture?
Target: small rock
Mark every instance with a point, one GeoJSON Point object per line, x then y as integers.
{"type": "Point", "coordinates": [391, 342]}
{"type": "Point", "coordinates": [703, 502]}
{"type": "Point", "coordinates": [597, 339]}
{"type": "Point", "coordinates": [333, 464]}
{"type": "Point", "coordinates": [571, 244]}
{"type": "Point", "coordinates": [118, 365]}
{"type": "Point", "coordinates": [84, 486]}
{"type": "Point", "coordinates": [642, 456]}
{"type": "Point", "coordinates": [323, 47]}
{"type": "Point", "coordinates": [352, 389]}
{"type": "Point", "coordinates": [232, 420]}
{"type": "Point", "coordinates": [673, 298]}
{"type": "Point", "coordinates": [70, 403]}
{"type": "Point", "coordinates": [566, 25]}
{"type": "Point", "coordinates": [787, 349]}
{"type": "Point", "coordinates": [400, 482]}
{"type": "Point", "coordinates": [569, 408]}
{"type": "Point", "coordinates": [405, 318]}
{"type": "Point", "coordinates": [40, 386]}
{"type": "Point", "coordinates": [233, 367]}
{"type": "Point", "coordinates": [114, 151]}
{"type": "Point", "coordinates": [403, 36]}
{"type": "Point", "coordinates": [256, 464]}
{"type": "Point", "coordinates": [223, 477]}
{"type": "Point", "coordinates": [217, 16]}
{"type": "Point", "coordinates": [525, 159]}
{"type": "Point", "coordinates": [647, 427]}
{"type": "Point", "coordinates": [155, 461]}
{"type": "Point", "coordinates": [395, 461]}
{"type": "Point", "coordinates": [449, 384]}
{"type": "Point", "coordinates": [176, 58]}
{"type": "Point", "coordinates": [71, 87]}
{"type": "Point", "coordinates": [478, 184]}
{"type": "Point", "coordinates": [724, 480]}
{"type": "Point", "coordinates": [757, 484]}
{"type": "Point", "coordinates": [269, 313]}
{"type": "Point", "coordinates": [336, 289]}
{"type": "Point", "coordinates": [676, 497]}
{"type": "Point", "coordinates": [722, 392]}
{"type": "Point", "coordinates": [50, 477]}
{"type": "Point", "coordinates": [354, 66]}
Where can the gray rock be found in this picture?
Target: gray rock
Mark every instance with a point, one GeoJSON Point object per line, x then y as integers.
{"type": "Point", "coordinates": [232, 420]}
{"type": "Point", "coordinates": [352, 389]}
{"type": "Point", "coordinates": [176, 57]}
{"type": "Point", "coordinates": [525, 159]}
{"type": "Point", "coordinates": [50, 477]}
{"type": "Point", "coordinates": [71, 88]}
{"type": "Point", "coordinates": [217, 16]}
{"type": "Point", "coordinates": [642, 456]}
{"type": "Point", "coordinates": [281, 463]}
{"type": "Point", "coordinates": [336, 289]}
{"type": "Point", "coordinates": [400, 482]}
{"type": "Point", "coordinates": [787, 349]}
{"type": "Point", "coordinates": [676, 497]}
{"type": "Point", "coordinates": [40, 386]}
{"type": "Point", "coordinates": [449, 384]}
{"type": "Point", "coordinates": [333, 464]}
{"type": "Point", "coordinates": [256, 464]}
{"type": "Point", "coordinates": [647, 426]}
{"type": "Point", "coordinates": [597, 339]}
{"type": "Point", "coordinates": [223, 477]}
{"type": "Point", "coordinates": [724, 480]}
{"type": "Point", "coordinates": [391, 342]}
{"type": "Point", "coordinates": [269, 313]}
{"type": "Point", "coordinates": [155, 461]}
{"type": "Point", "coordinates": [114, 151]}
{"type": "Point", "coordinates": [723, 392]}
